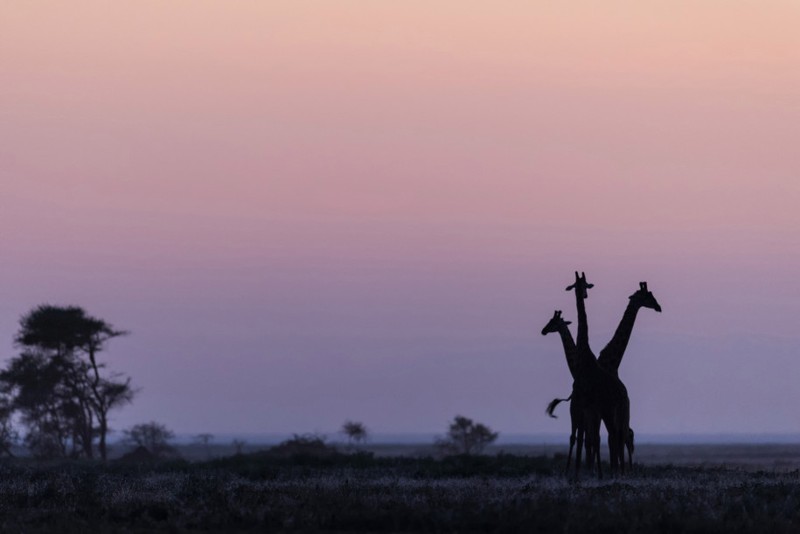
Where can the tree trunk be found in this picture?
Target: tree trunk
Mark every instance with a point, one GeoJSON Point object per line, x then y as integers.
{"type": "Point", "coordinates": [103, 420]}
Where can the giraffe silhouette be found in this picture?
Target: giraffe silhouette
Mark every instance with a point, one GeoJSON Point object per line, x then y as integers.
{"type": "Point", "coordinates": [603, 396]}
{"type": "Point", "coordinates": [561, 326]}
{"type": "Point", "coordinates": [558, 324]}
{"type": "Point", "coordinates": [611, 355]}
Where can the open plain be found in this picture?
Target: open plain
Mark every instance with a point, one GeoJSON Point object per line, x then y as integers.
{"type": "Point", "coordinates": [686, 491]}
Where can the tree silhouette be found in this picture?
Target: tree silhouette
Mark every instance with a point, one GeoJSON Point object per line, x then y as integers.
{"type": "Point", "coordinates": [57, 385]}
{"type": "Point", "coordinates": [356, 432]}
{"type": "Point", "coordinates": [152, 436]}
{"type": "Point", "coordinates": [464, 436]}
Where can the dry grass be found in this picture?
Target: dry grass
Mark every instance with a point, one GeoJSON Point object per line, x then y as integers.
{"type": "Point", "coordinates": [362, 493]}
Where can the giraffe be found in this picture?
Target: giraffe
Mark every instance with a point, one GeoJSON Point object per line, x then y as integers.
{"type": "Point", "coordinates": [604, 395]}
{"type": "Point", "coordinates": [581, 394]}
{"type": "Point", "coordinates": [611, 355]}
{"type": "Point", "coordinates": [561, 326]}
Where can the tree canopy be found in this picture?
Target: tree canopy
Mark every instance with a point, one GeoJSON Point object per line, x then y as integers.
{"type": "Point", "coordinates": [355, 431]}
{"type": "Point", "coordinates": [153, 436]}
{"type": "Point", "coordinates": [464, 436]}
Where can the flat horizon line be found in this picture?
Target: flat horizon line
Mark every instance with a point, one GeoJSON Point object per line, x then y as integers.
{"type": "Point", "coordinates": [510, 438]}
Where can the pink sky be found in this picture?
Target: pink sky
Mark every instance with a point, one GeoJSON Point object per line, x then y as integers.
{"type": "Point", "coordinates": [313, 211]}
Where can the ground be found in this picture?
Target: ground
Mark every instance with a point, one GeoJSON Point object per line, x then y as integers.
{"type": "Point", "coordinates": [364, 492]}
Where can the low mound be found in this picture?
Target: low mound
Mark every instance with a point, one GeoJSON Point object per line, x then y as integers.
{"type": "Point", "coordinates": [139, 455]}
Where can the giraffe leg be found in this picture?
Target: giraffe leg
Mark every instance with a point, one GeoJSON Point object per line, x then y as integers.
{"type": "Point", "coordinates": [597, 459]}
{"type": "Point", "coordinates": [571, 446]}
{"type": "Point", "coordinates": [629, 445]}
{"type": "Point", "coordinates": [596, 439]}
{"type": "Point", "coordinates": [624, 434]}
{"type": "Point", "coordinates": [578, 452]}
{"type": "Point", "coordinates": [613, 452]}
{"type": "Point", "coordinates": [593, 449]}
{"type": "Point", "coordinates": [594, 436]}
{"type": "Point", "coordinates": [597, 453]}
{"type": "Point", "coordinates": [588, 446]}
{"type": "Point", "coordinates": [590, 451]}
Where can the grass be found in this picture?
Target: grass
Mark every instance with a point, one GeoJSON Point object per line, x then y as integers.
{"type": "Point", "coordinates": [505, 493]}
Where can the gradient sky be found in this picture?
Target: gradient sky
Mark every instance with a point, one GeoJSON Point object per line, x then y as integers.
{"type": "Point", "coordinates": [313, 211]}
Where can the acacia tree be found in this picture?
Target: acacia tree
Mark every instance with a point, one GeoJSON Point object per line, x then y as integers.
{"type": "Point", "coordinates": [152, 436]}
{"type": "Point", "coordinates": [464, 436]}
{"type": "Point", "coordinates": [356, 432]}
{"type": "Point", "coordinates": [57, 384]}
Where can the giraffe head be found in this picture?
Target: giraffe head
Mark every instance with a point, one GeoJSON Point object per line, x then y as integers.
{"type": "Point", "coordinates": [644, 298]}
{"type": "Point", "coordinates": [581, 285]}
{"type": "Point", "coordinates": [555, 324]}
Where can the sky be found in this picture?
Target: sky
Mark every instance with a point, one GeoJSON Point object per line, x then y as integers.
{"type": "Point", "coordinates": [307, 212]}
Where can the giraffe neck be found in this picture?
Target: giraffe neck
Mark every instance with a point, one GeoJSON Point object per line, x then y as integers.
{"type": "Point", "coordinates": [585, 362]}
{"type": "Point", "coordinates": [611, 355]}
{"type": "Point", "coordinates": [569, 349]}
{"type": "Point", "coordinates": [583, 325]}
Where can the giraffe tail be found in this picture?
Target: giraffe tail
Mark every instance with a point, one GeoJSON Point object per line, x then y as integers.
{"type": "Point", "coordinates": [552, 406]}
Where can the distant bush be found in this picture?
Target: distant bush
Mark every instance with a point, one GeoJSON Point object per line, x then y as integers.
{"type": "Point", "coordinates": [304, 445]}
{"type": "Point", "coordinates": [152, 436]}
{"type": "Point", "coordinates": [464, 436]}
{"type": "Point", "coordinates": [356, 432]}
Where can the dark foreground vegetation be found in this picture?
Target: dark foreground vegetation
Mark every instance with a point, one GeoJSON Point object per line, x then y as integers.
{"type": "Point", "coordinates": [305, 491]}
